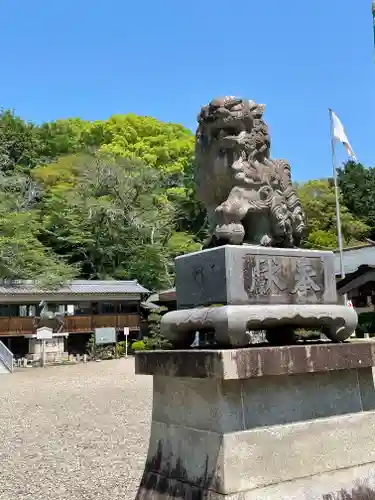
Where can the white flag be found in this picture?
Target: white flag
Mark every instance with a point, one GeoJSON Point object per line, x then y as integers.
{"type": "Point", "coordinates": [340, 135]}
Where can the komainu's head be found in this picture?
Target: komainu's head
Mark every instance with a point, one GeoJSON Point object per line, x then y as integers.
{"type": "Point", "coordinates": [233, 123]}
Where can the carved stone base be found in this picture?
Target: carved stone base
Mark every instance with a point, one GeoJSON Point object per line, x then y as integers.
{"type": "Point", "coordinates": [256, 288]}
{"type": "Point", "coordinates": [247, 274]}
{"type": "Point", "coordinates": [230, 323]}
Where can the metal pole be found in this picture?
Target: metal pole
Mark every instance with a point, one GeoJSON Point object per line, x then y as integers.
{"type": "Point", "coordinates": [43, 353]}
{"type": "Point", "coordinates": [126, 332]}
{"type": "Point", "coordinates": [337, 197]}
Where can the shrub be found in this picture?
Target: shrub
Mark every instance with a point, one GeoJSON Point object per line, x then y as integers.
{"type": "Point", "coordinates": [103, 351]}
{"type": "Point", "coordinates": [308, 334]}
{"type": "Point", "coordinates": [139, 345]}
{"type": "Point", "coordinates": [366, 324]}
{"type": "Point", "coordinates": [90, 346]}
{"type": "Point", "coordinates": [154, 339]}
{"type": "Point", "coordinates": [121, 347]}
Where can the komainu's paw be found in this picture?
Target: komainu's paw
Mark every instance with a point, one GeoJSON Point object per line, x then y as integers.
{"type": "Point", "coordinates": [233, 233]}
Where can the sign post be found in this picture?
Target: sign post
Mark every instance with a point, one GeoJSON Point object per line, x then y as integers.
{"type": "Point", "coordinates": [43, 353]}
{"type": "Point", "coordinates": [126, 333]}
{"type": "Point", "coordinates": [44, 333]}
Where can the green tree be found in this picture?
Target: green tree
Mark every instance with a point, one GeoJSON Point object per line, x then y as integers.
{"type": "Point", "coordinates": [154, 339]}
{"type": "Point", "coordinates": [357, 185]}
{"type": "Point", "coordinates": [192, 216]}
{"type": "Point", "coordinates": [20, 145]}
{"type": "Point", "coordinates": [22, 255]}
{"type": "Point", "coordinates": [63, 137]}
{"type": "Point", "coordinates": [318, 201]}
{"type": "Point", "coordinates": [111, 217]}
{"type": "Point", "coordinates": [165, 146]}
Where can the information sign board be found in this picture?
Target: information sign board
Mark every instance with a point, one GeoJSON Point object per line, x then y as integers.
{"type": "Point", "coordinates": [44, 333]}
{"type": "Point", "coordinates": [105, 335]}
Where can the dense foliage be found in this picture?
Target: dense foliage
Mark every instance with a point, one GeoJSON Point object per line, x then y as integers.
{"type": "Point", "coordinates": [111, 218]}
{"type": "Point", "coordinates": [319, 203]}
{"type": "Point", "coordinates": [357, 184]}
{"type": "Point", "coordinates": [116, 199]}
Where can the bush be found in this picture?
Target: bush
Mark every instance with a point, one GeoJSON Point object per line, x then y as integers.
{"type": "Point", "coordinates": [308, 334]}
{"type": "Point", "coordinates": [90, 346]}
{"type": "Point", "coordinates": [154, 339]}
{"type": "Point", "coordinates": [366, 324]}
{"type": "Point", "coordinates": [121, 348]}
{"type": "Point", "coordinates": [103, 351]}
{"type": "Point", "coordinates": [106, 351]}
{"type": "Point", "coordinates": [139, 345]}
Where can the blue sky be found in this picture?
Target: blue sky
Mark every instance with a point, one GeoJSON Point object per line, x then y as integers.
{"type": "Point", "coordinates": [166, 58]}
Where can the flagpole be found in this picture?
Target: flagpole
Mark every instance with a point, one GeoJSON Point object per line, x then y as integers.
{"type": "Point", "coordinates": [337, 197]}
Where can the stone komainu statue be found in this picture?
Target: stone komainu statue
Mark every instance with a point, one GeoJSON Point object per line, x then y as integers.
{"type": "Point", "coordinates": [248, 196]}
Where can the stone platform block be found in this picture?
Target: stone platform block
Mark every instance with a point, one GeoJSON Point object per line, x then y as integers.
{"type": "Point", "coordinates": [231, 323]}
{"type": "Point", "coordinates": [254, 362]}
{"type": "Point", "coordinates": [279, 423]}
{"type": "Point", "coordinates": [247, 274]}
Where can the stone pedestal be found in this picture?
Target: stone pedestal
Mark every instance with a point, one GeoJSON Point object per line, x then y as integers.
{"type": "Point", "coordinates": [248, 274]}
{"type": "Point", "coordinates": [256, 288]}
{"type": "Point", "coordinates": [282, 423]}
{"type": "Point", "coordinates": [54, 348]}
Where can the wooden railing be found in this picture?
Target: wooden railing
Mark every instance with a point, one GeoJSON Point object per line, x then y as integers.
{"type": "Point", "coordinates": [89, 323]}
{"type": "Point", "coordinates": [16, 326]}
{"type": "Point", "coordinates": [72, 324]}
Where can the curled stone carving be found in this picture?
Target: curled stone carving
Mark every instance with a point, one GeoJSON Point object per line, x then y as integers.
{"type": "Point", "coordinates": [249, 197]}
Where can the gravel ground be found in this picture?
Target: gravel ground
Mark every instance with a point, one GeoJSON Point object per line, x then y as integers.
{"type": "Point", "coordinates": [74, 432]}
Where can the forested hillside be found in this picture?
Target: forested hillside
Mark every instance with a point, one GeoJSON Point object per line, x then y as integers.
{"type": "Point", "coordinates": [115, 199]}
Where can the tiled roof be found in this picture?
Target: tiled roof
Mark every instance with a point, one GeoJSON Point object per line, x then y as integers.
{"type": "Point", "coordinates": [355, 257]}
{"type": "Point", "coordinates": [75, 287]}
{"type": "Point", "coordinates": [348, 283]}
{"type": "Point", "coordinates": [149, 305]}
{"type": "Point", "coordinates": [163, 295]}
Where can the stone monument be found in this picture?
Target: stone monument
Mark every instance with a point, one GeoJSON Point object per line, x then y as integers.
{"type": "Point", "coordinates": [294, 421]}
{"type": "Point", "coordinates": [251, 264]}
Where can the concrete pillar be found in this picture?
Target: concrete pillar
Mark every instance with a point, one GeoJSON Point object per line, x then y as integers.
{"type": "Point", "coordinates": [284, 423]}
